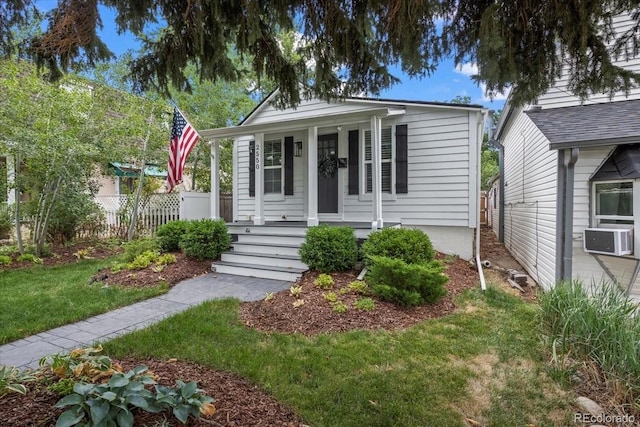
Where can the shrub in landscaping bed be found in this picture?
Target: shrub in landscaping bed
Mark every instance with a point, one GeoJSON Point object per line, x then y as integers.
{"type": "Point", "coordinates": [169, 235]}
{"type": "Point", "coordinates": [138, 247]}
{"type": "Point", "coordinates": [410, 245]}
{"type": "Point", "coordinates": [405, 284]}
{"type": "Point", "coordinates": [205, 239]}
{"type": "Point", "coordinates": [328, 248]}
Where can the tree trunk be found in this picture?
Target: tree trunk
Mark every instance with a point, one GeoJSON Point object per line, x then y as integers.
{"type": "Point", "coordinates": [136, 202]}
{"type": "Point", "coordinates": [16, 181]}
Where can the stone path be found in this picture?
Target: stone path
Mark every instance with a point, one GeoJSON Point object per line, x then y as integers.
{"type": "Point", "coordinates": [27, 352]}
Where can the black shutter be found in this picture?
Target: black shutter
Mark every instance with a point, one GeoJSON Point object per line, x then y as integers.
{"type": "Point", "coordinates": [402, 151]}
{"type": "Point", "coordinates": [288, 166]}
{"type": "Point", "coordinates": [354, 181]}
{"type": "Point", "coordinates": [252, 169]}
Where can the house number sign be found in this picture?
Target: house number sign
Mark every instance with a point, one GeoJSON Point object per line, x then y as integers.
{"type": "Point", "coordinates": [257, 155]}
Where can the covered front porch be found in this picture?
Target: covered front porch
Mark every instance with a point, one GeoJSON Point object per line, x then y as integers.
{"type": "Point", "coordinates": [309, 170]}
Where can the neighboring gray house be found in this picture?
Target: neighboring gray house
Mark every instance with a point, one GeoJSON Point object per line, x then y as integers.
{"type": "Point", "coordinates": [363, 162]}
{"type": "Point", "coordinates": [570, 166]}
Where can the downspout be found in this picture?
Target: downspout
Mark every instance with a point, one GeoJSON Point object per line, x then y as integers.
{"type": "Point", "coordinates": [483, 284]}
{"type": "Point", "coordinates": [568, 211]}
{"type": "Point", "coordinates": [564, 214]}
{"type": "Point", "coordinates": [560, 217]}
{"type": "Point", "coordinates": [501, 194]}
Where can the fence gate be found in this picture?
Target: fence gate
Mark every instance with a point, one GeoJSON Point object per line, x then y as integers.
{"type": "Point", "coordinates": [483, 207]}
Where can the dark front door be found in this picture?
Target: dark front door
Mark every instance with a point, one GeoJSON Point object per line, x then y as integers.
{"type": "Point", "coordinates": [328, 173]}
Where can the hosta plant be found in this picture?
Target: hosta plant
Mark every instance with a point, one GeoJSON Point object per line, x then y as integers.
{"type": "Point", "coordinates": [324, 281]}
{"type": "Point", "coordinates": [12, 380]}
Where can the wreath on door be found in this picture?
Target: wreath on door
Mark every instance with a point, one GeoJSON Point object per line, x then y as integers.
{"type": "Point", "coordinates": [328, 166]}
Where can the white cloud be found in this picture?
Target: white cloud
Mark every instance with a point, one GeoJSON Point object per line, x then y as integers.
{"type": "Point", "coordinates": [497, 96]}
{"type": "Point", "coordinates": [468, 69]}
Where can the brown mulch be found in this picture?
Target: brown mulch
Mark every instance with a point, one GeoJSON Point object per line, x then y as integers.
{"type": "Point", "coordinates": [69, 254]}
{"type": "Point", "coordinates": [183, 268]}
{"type": "Point", "coordinates": [238, 402]}
{"type": "Point", "coordinates": [316, 315]}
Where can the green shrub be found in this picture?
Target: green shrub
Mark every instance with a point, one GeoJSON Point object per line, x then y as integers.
{"type": "Point", "coordinates": [355, 287]}
{"type": "Point", "coordinates": [205, 239]}
{"type": "Point", "coordinates": [339, 307]}
{"type": "Point", "coordinates": [5, 260]}
{"type": "Point", "coordinates": [405, 284]}
{"type": "Point", "coordinates": [6, 224]}
{"type": "Point", "coordinates": [29, 257]}
{"type": "Point", "coordinates": [169, 235]}
{"type": "Point", "coordinates": [328, 249]}
{"type": "Point", "coordinates": [166, 259]}
{"type": "Point", "coordinates": [324, 281]}
{"type": "Point", "coordinates": [143, 260]}
{"type": "Point", "coordinates": [365, 304]}
{"type": "Point", "coordinates": [78, 211]}
{"type": "Point", "coordinates": [137, 247]}
{"type": "Point", "coordinates": [410, 245]}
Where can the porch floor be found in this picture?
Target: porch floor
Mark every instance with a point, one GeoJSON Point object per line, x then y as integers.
{"type": "Point", "coordinates": [353, 224]}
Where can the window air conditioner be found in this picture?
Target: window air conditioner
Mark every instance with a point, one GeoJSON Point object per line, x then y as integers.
{"type": "Point", "coordinates": [608, 241]}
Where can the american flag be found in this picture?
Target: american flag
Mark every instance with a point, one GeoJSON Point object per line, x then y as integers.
{"type": "Point", "coordinates": [183, 138]}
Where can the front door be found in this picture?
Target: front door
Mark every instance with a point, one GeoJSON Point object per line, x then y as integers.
{"type": "Point", "coordinates": [328, 173]}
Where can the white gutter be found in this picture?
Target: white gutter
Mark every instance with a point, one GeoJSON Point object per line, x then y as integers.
{"type": "Point", "coordinates": [483, 284]}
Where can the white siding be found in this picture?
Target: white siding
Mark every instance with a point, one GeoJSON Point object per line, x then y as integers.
{"type": "Point", "coordinates": [559, 96]}
{"type": "Point", "coordinates": [306, 109]}
{"type": "Point", "coordinates": [530, 198]}
{"type": "Point", "coordinates": [275, 206]}
{"type": "Point", "coordinates": [438, 173]}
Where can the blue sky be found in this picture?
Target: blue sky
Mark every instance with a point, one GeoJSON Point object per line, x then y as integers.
{"type": "Point", "coordinates": [444, 84]}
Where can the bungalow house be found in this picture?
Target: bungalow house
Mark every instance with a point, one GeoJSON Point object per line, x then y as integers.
{"type": "Point", "coordinates": [569, 188]}
{"type": "Point", "coordinates": [368, 163]}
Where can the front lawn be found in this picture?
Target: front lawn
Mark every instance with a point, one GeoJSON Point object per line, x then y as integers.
{"type": "Point", "coordinates": [40, 298]}
{"type": "Point", "coordinates": [485, 363]}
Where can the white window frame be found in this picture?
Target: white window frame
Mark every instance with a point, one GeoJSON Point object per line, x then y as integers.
{"type": "Point", "coordinates": [597, 218]}
{"type": "Point", "coordinates": [386, 195]}
{"type": "Point", "coordinates": [280, 166]}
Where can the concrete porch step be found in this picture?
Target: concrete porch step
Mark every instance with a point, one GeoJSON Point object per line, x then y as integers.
{"type": "Point", "coordinates": [257, 270]}
{"type": "Point", "coordinates": [266, 239]}
{"type": "Point", "coordinates": [266, 248]}
{"type": "Point", "coordinates": [295, 230]}
{"type": "Point", "coordinates": [256, 258]}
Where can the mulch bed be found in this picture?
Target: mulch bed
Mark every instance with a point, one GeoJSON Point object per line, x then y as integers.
{"type": "Point", "coordinates": [316, 315]}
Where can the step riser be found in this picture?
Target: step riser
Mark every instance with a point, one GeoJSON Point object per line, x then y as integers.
{"type": "Point", "coordinates": [267, 250]}
{"type": "Point", "coordinates": [284, 240]}
{"type": "Point", "coordinates": [298, 231]}
{"type": "Point", "coordinates": [273, 261]}
{"type": "Point", "coordinates": [263, 274]}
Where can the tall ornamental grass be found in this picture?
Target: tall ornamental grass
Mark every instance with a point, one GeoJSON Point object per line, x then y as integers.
{"type": "Point", "coordinates": [596, 322]}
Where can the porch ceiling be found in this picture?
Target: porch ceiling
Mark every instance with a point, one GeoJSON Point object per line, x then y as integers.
{"type": "Point", "coordinates": [337, 119]}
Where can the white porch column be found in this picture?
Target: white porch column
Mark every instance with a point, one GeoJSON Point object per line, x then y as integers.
{"type": "Point", "coordinates": [376, 172]}
{"type": "Point", "coordinates": [258, 218]}
{"type": "Point", "coordinates": [312, 181]}
{"type": "Point", "coordinates": [215, 179]}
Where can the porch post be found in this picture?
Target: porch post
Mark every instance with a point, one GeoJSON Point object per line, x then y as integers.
{"type": "Point", "coordinates": [215, 179]}
{"type": "Point", "coordinates": [312, 181]}
{"type": "Point", "coordinates": [258, 218]}
{"type": "Point", "coordinates": [376, 172]}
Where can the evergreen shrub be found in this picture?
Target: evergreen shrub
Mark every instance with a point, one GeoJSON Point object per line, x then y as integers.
{"type": "Point", "coordinates": [412, 246]}
{"type": "Point", "coordinates": [327, 248]}
{"type": "Point", "coordinates": [205, 239]}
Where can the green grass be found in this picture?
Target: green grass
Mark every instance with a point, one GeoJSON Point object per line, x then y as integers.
{"type": "Point", "coordinates": [436, 373]}
{"type": "Point", "coordinates": [39, 298]}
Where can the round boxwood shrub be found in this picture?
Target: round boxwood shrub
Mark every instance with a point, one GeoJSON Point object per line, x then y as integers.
{"type": "Point", "coordinates": [205, 239]}
{"type": "Point", "coordinates": [409, 245]}
{"type": "Point", "coordinates": [328, 248]}
{"type": "Point", "coordinates": [169, 235]}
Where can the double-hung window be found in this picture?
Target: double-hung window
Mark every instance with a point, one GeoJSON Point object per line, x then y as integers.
{"type": "Point", "coordinates": [273, 167]}
{"type": "Point", "coordinates": [613, 202]}
{"type": "Point", "coordinates": [387, 163]}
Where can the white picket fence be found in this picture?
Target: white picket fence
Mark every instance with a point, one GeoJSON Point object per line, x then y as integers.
{"type": "Point", "coordinates": [153, 211]}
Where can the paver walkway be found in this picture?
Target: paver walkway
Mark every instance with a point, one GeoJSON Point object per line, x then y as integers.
{"type": "Point", "coordinates": [26, 353]}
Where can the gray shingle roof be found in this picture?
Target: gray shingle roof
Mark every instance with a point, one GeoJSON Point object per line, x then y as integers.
{"type": "Point", "coordinates": [589, 125]}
